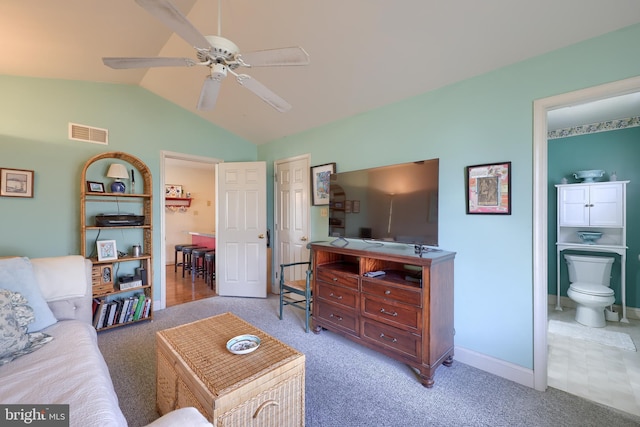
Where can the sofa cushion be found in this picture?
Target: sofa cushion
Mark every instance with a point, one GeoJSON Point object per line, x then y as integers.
{"type": "Point", "coordinates": [71, 370]}
{"type": "Point", "coordinates": [15, 315]}
{"type": "Point", "coordinates": [16, 274]}
{"type": "Point", "coordinates": [60, 277]}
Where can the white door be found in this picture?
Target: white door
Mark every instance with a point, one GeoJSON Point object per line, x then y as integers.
{"type": "Point", "coordinates": [292, 215]}
{"type": "Point", "coordinates": [241, 229]}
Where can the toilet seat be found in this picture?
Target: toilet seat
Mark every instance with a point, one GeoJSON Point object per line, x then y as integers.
{"type": "Point", "coordinates": [591, 289]}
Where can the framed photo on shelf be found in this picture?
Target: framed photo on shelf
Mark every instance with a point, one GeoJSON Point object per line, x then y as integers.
{"type": "Point", "coordinates": [488, 189]}
{"type": "Point", "coordinates": [95, 187]}
{"type": "Point", "coordinates": [16, 183]}
{"type": "Point", "coordinates": [171, 190]}
{"type": "Point", "coordinates": [320, 183]}
{"type": "Point", "coordinates": [107, 250]}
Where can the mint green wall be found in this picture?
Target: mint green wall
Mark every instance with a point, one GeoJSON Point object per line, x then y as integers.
{"type": "Point", "coordinates": [34, 116]}
{"type": "Point", "coordinates": [481, 120]}
{"type": "Point", "coordinates": [617, 151]}
{"type": "Point", "coordinates": [484, 119]}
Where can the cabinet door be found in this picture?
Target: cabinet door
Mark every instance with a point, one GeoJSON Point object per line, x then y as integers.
{"type": "Point", "coordinates": [573, 203]}
{"type": "Point", "coordinates": [606, 207]}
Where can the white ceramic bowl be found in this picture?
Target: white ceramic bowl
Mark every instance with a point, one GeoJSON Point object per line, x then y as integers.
{"type": "Point", "coordinates": [243, 344]}
{"type": "Point", "coordinates": [588, 176]}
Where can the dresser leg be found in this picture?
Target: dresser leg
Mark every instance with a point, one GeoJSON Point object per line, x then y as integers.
{"type": "Point", "coordinates": [448, 361]}
{"type": "Point", "coordinates": [427, 381]}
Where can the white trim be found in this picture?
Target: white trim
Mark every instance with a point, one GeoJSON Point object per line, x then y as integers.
{"type": "Point", "coordinates": [275, 260]}
{"type": "Point", "coordinates": [164, 155]}
{"type": "Point", "coordinates": [510, 371]}
{"type": "Point", "coordinates": [540, 205]}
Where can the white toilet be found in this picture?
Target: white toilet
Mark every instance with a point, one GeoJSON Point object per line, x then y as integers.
{"type": "Point", "coordinates": [590, 278]}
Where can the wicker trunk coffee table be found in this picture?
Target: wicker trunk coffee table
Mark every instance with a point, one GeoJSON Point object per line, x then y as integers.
{"type": "Point", "coordinates": [262, 388]}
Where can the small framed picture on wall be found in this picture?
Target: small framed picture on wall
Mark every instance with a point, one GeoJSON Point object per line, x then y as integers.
{"type": "Point", "coordinates": [489, 189]}
{"type": "Point", "coordinates": [320, 183]}
{"type": "Point", "coordinates": [16, 183]}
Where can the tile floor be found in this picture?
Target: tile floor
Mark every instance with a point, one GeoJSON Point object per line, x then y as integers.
{"type": "Point", "coordinates": [600, 373]}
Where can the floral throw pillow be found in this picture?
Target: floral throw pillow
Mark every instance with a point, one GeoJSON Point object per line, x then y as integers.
{"type": "Point", "coordinates": [15, 316]}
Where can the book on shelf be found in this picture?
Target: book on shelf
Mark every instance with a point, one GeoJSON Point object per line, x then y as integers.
{"type": "Point", "coordinates": [112, 313]}
{"type": "Point", "coordinates": [124, 312]}
{"type": "Point", "coordinates": [147, 308]}
{"type": "Point", "coordinates": [99, 313]}
{"type": "Point", "coordinates": [139, 307]}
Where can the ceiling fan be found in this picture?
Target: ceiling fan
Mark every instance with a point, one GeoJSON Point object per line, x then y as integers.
{"type": "Point", "coordinates": [219, 54]}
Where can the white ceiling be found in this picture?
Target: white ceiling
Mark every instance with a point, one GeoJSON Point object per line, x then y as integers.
{"type": "Point", "coordinates": [364, 53]}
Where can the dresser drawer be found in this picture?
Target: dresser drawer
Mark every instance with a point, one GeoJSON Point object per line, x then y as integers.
{"type": "Point", "coordinates": [402, 342]}
{"type": "Point", "coordinates": [385, 290]}
{"type": "Point", "coordinates": [338, 316]}
{"type": "Point", "coordinates": [400, 315]}
{"type": "Point", "coordinates": [337, 294]}
{"type": "Point", "coordinates": [330, 276]}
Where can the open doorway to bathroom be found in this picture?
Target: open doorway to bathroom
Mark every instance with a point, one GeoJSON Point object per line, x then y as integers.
{"type": "Point", "coordinates": [600, 372]}
{"type": "Point", "coordinates": [188, 207]}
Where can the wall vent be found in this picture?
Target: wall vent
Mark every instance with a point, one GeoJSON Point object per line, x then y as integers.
{"type": "Point", "coordinates": [88, 134]}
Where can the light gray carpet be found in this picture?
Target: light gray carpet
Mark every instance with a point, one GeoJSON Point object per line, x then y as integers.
{"type": "Point", "coordinates": [348, 385]}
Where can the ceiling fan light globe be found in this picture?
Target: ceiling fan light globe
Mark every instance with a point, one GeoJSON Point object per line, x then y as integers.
{"type": "Point", "coordinates": [218, 71]}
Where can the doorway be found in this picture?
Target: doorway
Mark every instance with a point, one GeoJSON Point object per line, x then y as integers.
{"type": "Point", "coordinates": [193, 177]}
{"type": "Point", "coordinates": [540, 202]}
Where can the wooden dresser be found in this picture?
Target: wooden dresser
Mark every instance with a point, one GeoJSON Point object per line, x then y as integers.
{"type": "Point", "coordinates": [406, 314]}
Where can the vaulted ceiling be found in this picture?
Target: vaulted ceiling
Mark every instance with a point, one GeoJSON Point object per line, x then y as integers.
{"type": "Point", "coordinates": [364, 53]}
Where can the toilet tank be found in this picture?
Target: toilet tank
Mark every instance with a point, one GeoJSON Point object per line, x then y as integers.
{"type": "Point", "coordinates": [589, 269]}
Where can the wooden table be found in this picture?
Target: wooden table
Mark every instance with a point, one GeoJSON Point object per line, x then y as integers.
{"type": "Point", "coordinates": [265, 387]}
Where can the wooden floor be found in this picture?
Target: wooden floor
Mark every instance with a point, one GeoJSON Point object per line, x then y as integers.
{"type": "Point", "coordinates": [181, 290]}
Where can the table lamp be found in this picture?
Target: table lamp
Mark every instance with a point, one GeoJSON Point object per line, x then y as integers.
{"type": "Point", "coordinates": [117, 171]}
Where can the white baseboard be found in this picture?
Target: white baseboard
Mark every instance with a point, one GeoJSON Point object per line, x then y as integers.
{"type": "Point", "coordinates": [494, 366]}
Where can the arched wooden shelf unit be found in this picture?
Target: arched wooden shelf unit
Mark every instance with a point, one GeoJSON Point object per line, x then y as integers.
{"type": "Point", "coordinates": [122, 286]}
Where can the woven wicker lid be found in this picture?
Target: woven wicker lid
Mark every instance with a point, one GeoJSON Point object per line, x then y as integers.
{"type": "Point", "coordinates": [202, 346]}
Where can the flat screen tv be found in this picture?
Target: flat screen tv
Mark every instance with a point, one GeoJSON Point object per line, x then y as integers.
{"type": "Point", "coordinates": [396, 203]}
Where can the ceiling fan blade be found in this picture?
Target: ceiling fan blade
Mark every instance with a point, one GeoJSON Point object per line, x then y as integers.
{"type": "Point", "coordinates": [167, 13]}
{"type": "Point", "coordinates": [123, 63]}
{"type": "Point", "coordinates": [276, 57]}
{"type": "Point", "coordinates": [264, 93]}
{"type": "Point", "coordinates": [209, 93]}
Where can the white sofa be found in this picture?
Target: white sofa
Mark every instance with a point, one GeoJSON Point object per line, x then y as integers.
{"type": "Point", "coordinates": [70, 368]}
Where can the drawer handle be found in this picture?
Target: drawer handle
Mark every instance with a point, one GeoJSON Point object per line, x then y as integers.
{"type": "Point", "coordinates": [390, 313]}
{"type": "Point", "coordinates": [384, 337]}
{"type": "Point", "coordinates": [264, 405]}
{"type": "Point", "coordinates": [337, 317]}
{"type": "Point", "coordinates": [335, 296]}
{"type": "Point", "coordinates": [387, 292]}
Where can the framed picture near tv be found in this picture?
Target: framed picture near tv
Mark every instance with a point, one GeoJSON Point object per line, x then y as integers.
{"type": "Point", "coordinates": [320, 182]}
{"type": "Point", "coordinates": [488, 189]}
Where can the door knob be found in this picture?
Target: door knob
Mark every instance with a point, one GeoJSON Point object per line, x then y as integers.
{"type": "Point", "coordinates": [260, 236]}
{"type": "Point", "coordinates": [304, 239]}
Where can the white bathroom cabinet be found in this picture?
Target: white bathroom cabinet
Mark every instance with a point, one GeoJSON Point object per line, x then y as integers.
{"type": "Point", "coordinates": [594, 206]}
